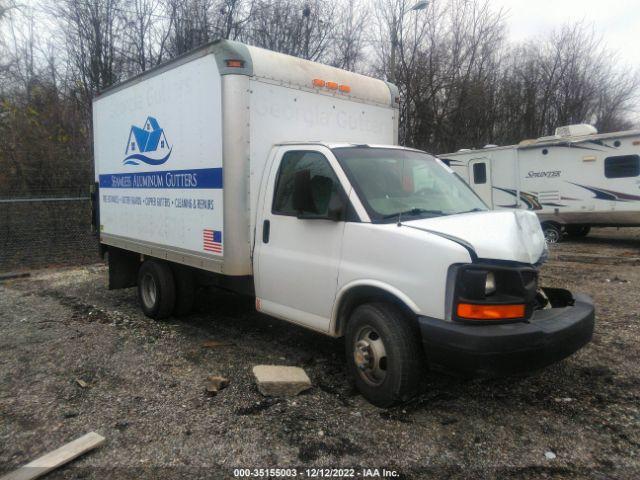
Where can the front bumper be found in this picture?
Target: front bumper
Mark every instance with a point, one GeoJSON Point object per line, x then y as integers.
{"type": "Point", "coordinates": [497, 350]}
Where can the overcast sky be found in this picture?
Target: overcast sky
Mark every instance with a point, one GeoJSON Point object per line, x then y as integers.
{"type": "Point", "coordinates": [618, 21]}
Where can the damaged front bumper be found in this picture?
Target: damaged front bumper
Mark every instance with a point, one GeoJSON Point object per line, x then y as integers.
{"type": "Point", "coordinates": [504, 349]}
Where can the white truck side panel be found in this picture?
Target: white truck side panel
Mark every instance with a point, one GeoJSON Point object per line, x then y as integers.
{"type": "Point", "coordinates": [158, 151]}
{"type": "Point", "coordinates": [282, 114]}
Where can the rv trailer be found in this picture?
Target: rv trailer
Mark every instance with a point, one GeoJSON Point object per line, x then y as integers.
{"type": "Point", "coordinates": [573, 180]}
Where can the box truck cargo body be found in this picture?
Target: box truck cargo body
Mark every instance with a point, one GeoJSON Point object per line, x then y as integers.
{"type": "Point", "coordinates": [180, 151]}
{"type": "Point", "coordinates": [572, 180]}
{"type": "Point", "coordinates": [280, 178]}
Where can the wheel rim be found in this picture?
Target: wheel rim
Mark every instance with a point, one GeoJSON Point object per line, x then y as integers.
{"type": "Point", "coordinates": [551, 235]}
{"type": "Point", "coordinates": [149, 290]}
{"type": "Point", "coordinates": [370, 356]}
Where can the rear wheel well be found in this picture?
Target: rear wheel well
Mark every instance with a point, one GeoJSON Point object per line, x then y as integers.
{"type": "Point", "coordinates": [366, 294]}
{"type": "Point", "coordinates": [551, 223]}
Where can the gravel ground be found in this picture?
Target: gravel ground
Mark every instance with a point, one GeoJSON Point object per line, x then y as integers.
{"type": "Point", "coordinates": [145, 388]}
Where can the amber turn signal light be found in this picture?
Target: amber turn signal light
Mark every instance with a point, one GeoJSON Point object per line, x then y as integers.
{"type": "Point", "coordinates": [490, 312]}
{"type": "Point", "coordinates": [235, 63]}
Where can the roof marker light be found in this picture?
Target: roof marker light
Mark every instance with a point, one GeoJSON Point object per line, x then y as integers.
{"type": "Point", "coordinates": [332, 85]}
{"type": "Point", "coordinates": [232, 63]}
{"type": "Point", "coordinates": [318, 83]}
{"type": "Point", "coordinates": [345, 88]}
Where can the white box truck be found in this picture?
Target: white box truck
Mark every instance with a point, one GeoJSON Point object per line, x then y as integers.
{"type": "Point", "coordinates": [211, 171]}
{"type": "Point", "coordinates": [572, 180]}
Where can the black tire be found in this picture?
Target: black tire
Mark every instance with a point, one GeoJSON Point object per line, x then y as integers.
{"type": "Point", "coordinates": [552, 232]}
{"type": "Point", "coordinates": [185, 291]}
{"type": "Point", "coordinates": [399, 376]}
{"type": "Point", "coordinates": [578, 231]}
{"type": "Point", "coordinates": [156, 289]}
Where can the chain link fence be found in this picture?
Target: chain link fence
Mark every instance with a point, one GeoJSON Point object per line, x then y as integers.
{"type": "Point", "coordinates": [47, 229]}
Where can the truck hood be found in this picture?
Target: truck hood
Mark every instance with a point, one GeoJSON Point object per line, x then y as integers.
{"type": "Point", "coordinates": [503, 235]}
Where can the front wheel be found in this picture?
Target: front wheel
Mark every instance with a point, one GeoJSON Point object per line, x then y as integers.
{"type": "Point", "coordinates": [384, 354]}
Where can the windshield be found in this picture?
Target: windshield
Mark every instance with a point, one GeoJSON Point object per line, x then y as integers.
{"type": "Point", "coordinates": [393, 182]}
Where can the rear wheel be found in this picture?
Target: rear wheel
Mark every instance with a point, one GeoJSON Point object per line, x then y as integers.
{"type": "Point", "coordinates": [384, 354]}
{"type": "Point", "coordinates": [156, 289]}
{"type": "Point", "coordinates": [578, 231]}
{"type": "Point", "coordinates": [552, 232]}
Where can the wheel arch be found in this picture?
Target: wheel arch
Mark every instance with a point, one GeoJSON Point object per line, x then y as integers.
{"type": "Point", "coordinates": [357, 293]}
{"type": "Point", "coordinates": [555, 223]}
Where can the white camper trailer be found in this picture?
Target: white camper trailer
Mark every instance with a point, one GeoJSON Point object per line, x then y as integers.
{"type": "Point", "coordinates": [210, 171]}
{"type": "Point", "coordinates": [573, 180]}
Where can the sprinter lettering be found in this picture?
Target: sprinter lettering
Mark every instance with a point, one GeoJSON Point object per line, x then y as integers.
{"type": "Point", "coordinates": [547, 174]}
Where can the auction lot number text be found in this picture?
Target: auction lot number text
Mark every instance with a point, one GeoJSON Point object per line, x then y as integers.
{"type": "Point", "coordinates": [314, 473]}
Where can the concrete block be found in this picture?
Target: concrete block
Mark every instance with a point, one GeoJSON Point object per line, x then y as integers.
{"type": "Point", "coordinates": [280, 381]}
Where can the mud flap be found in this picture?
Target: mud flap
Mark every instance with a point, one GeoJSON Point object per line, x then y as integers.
{"type": "Point", "coordinates": [123, 268]}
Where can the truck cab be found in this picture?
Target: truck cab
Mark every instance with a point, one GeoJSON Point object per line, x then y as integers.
{"type": "Point", "coordinates": [390, 249]}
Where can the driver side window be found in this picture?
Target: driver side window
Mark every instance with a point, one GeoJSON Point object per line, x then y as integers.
{"type": "Point", "coordinates": [324, 182]}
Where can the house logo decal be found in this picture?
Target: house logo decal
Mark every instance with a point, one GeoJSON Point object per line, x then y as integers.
{"type": "Point", "coordinates": [147, 144]}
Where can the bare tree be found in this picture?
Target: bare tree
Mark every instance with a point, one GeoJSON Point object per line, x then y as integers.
{"type": "Point", "coordinates": [349, 35]}
{"type": "Point", "coordinates": [233, 17]}
{"type": "Point", "coordinates": [444, 64]}
{"type": "Point", "coordinates": [42, 131]}
{"type": "Point", "coordinates": [303, 29]}
{"type": "Point", "coordinates": [568, 78]}
{"type": "Point", "coordinates": [191, 24]}
{"type": "Point", "coordinates": [93, 35]}
{"type": "Point", "coordinates": [462, 84]}
{"type": "Point", "coordinates": [145, 35]}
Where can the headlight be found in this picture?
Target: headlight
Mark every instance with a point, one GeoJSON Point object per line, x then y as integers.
{"type": "Point", "coordinates": [494, 292]}
{"type": "Point", "coordinates": [490, 284]}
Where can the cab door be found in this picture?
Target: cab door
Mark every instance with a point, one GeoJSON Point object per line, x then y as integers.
{"type": "Point", "coordinates": [480, 179]}
{"type": "Point", "coordinates": [296, 260]}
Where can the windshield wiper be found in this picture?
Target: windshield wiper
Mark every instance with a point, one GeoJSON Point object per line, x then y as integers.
{"type": "Point", "coordinates": [473, 210]}
{"type": "Point", "coordinates": [413, 212]}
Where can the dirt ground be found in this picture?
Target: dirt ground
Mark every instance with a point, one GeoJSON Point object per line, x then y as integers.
{"type": "Point", "coordinates": [145, 388]}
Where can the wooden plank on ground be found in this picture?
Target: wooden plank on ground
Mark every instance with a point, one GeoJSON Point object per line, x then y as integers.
{"type": "Point", "coordinates": [57, 458]}
{"type": "Point", "coordinates": [12, 275]}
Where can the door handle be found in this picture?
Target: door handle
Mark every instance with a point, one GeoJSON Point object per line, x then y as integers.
{"type": "Point", "coordinates": [266, 230]}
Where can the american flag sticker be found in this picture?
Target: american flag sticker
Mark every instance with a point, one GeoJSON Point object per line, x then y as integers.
{"type": "Point", "coordinates": [212, 240]}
